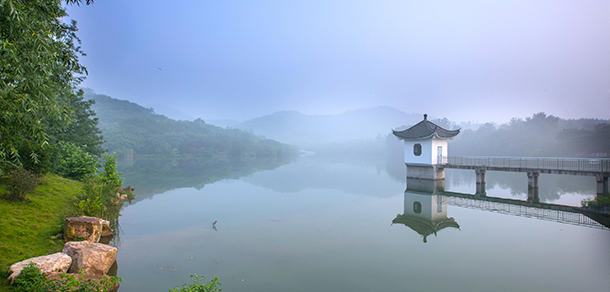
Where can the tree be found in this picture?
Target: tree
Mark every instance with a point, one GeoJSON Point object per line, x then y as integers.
{"type": "Point", "coordinates": [81, 129]}
{"type": "Point", "coordinates": [39, 72]}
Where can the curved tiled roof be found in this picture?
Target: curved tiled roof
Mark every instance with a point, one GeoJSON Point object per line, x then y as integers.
{"type": "Point", "coordinates": [425, 227]}
{"type": "Point", "coordinates": [425, 129]}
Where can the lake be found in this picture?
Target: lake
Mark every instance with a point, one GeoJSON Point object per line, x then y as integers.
{"type": "Point", "coordinates": [314, 225]}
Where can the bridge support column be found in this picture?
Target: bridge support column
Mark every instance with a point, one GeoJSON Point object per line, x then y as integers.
{"type": "Point", "coordinates": [480, 177]}
{"type": "Point", "coordinates": [532, 187]}
{"type": "Point", "coordinates": [480, 173]}
{"type": "Point", "coordinates": [481, 190]}
{"type": "Point", "coordinates": [532, 195]}
{"type": "Point", "coordinates": [532, 180]}
{"type": "Point", "coordinates": [602, 184]}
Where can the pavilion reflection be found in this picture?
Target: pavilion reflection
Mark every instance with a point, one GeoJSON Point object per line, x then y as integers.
{"type": "Point", "coordinates": [425, 208]}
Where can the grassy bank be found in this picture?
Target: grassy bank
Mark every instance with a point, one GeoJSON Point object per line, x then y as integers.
{"type": "Point", "coordinates": [26, 227]}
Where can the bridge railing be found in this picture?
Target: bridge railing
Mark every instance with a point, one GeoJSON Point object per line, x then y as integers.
{"type": "Point", "coordinates": [573, 164]}
{"type": "Point", "coordinates": [526, 211]}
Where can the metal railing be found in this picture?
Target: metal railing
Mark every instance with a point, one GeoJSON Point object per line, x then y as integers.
{"type": "Point", "coordinates": [572, 164]}
{"type": "Point", "coordinates": [525, 211]}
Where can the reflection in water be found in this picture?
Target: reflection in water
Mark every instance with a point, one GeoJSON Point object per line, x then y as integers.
{"type": "Point", "coordinates": [157, 175]}
{"type": "Point", "coordinates": [421, 196]}
{"type": "Point", "coordinates": [551, 186]}
{"type": "Point", "coordinates": [425, 209]}
{"type": "Point", "coordinates": [330, 231]}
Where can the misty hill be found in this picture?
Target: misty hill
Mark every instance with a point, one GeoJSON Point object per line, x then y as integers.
{"type": "Point", "coordinates": [301, 129]}
{"type": "Point", "coordinates": [129, 128]}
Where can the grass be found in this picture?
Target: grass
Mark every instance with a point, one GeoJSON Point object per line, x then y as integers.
{"type": "Point", "coordinates": [26, 227]}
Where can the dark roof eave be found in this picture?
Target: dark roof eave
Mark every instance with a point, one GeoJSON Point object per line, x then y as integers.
{"type": "Point", "coordinates": [425, 130]}
{"type": "Point", "coordinates": [434, 134]}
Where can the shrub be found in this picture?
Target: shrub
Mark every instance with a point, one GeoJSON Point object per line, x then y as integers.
{"type": "Point", "coordinates": [199, 286]}
{"type": "Point", "coordinates": [89, 207]}
{"type": "Point", "coordinates": [598, 200]}
{"type": "Point", "coordinates": [110, 175]}
{"type": "Point", "coordinates": [74, 162]}
{"type": "Point", "coordinates": [32, 280]}
{"type": "Point", "coordinates": [20, 183]}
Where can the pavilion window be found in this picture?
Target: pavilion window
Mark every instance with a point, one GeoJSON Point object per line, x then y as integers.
{"type": "Point", "coordinates": [416, 207]}
{"type": "Point", "coordinates": [417, 149]}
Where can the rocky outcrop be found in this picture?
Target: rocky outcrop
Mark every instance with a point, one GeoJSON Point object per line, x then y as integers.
{"type": "Point", "coordinates": [106, 230]}
{"type": "Point", "coordinates": [87, 228]}
{"type": "Point", "coordinates": [53, 263]}
{"type": "Point", "coordinates": [93, 258]}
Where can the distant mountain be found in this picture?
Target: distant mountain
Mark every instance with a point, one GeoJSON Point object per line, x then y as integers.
{"type": "Point", "coordinates": [300, 129]}
{"type": "Point", "coordinates": [171, 113]}
{"type": "Point", "coordinates": [223, 123]}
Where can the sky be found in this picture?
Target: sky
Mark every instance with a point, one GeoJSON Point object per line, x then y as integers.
{"type": "Point", "coordinates": [482, 61]}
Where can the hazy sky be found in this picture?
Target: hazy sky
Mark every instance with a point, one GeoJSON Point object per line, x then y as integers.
{"type": "Point", "coordinates": [464, 60]}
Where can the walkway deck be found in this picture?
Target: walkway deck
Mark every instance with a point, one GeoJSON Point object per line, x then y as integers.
{"type": "Point", "coordinates": [592, 167]}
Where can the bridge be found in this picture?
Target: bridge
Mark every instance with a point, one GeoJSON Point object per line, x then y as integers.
{"type": "Point", "coordinates": [542, 211]}
{"type": "Point", "coordinates": [600, 168]}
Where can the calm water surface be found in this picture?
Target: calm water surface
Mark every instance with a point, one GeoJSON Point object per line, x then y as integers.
{"type": "Point", "coordinates": [317, 226]}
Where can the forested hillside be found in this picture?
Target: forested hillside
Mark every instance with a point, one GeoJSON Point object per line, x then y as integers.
{"type": "Point", "coordinates": [131, 129]}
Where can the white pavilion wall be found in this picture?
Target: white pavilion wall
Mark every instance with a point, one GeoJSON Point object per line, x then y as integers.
{"type": "Point", "coordinates": [429, 151]}
{"type": "Point", "coordinates": [426, 154]}
{"type": "Point", "coordinates": [435, 144]}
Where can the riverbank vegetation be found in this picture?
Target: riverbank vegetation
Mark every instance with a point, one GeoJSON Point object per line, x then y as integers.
{"type": "Point", "coordinates": [28, 228]}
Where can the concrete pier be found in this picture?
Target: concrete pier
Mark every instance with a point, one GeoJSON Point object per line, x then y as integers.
{"type": "Point", "coordinates": [431, 172]}
{"type": "Point", "coordinates": [602, 184]}
{"type": "Point", "coordinates": [480, 174]}
{"type": "Point", "coordinates": [480, 178]}
{"type": "Point", "coordinates": [532, 179]}
{"type": "Point", "coordinates": [533, 195]}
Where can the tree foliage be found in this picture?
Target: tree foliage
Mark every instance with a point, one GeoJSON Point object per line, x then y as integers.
{"type": "Point", "coordinates": [540, 135]}
{"type": "Point", "coordinates": [74, 162]}
{"type": "Point", "coordinates": [199, 285]}
{"type": "Point", "coordinates": [110, 175]}
{"type": "Point", "coordinates": [130, 128]}
{"type": "Point", "coordinates": [81, 128]}
{"type": "Point", "coordinates": [39, 71]}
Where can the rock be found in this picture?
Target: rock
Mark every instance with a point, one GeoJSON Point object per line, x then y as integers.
{"type": "Point", "coordinates": [57, 262]}
{"type": "Point", "coordinates": [106, 230]}
{"type": "Point", "coordinates": [113, 287]}
{"type": "Point", "coordinates": [93, 258]}
{"type": "Point", "coordinates": [87, 228]}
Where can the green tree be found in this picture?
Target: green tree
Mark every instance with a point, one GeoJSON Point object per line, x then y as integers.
{"type": "Point", "coordinates": [74, 162]}
{"type": "Point", "coordinates": [110, 175]}
{"type": "Point", "coordinates": [81, 129]}
{"type": "Point", "coordinates": [39, 72]}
